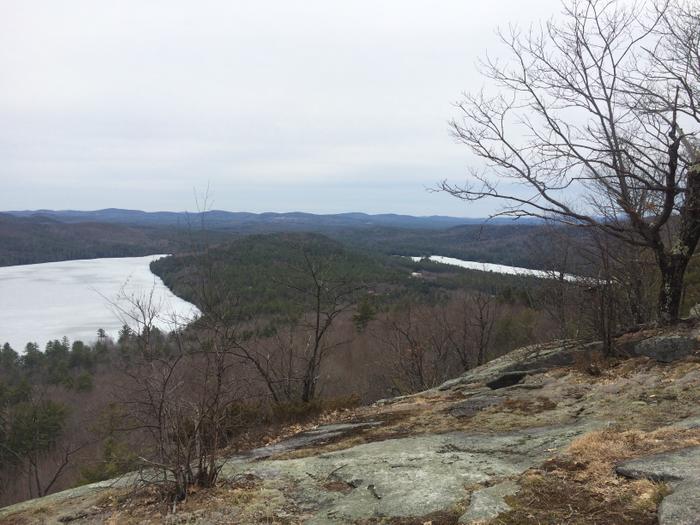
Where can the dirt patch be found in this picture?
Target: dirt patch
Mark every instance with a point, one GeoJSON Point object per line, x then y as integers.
{"type": "Point", "coordinates": [338, 486]}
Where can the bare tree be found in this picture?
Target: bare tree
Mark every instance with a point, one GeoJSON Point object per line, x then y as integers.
{"type": "Point", "coordinates": [620, 294]}
{"type": "Point", "coordinates": [327, 296]}
{"type": "Point", "coordinates": [287, 358]}
{"type": "Point", "coordinates": [468, 327]}
{"type": "Point", "coordinates": [178, 390]}
{"type": "Point", "coordinates": [483, 323]}
{"type": "Point", "coordinates": [596, 120]}
{"type": "Point", "coordinates": [277, 360]}
{"type": "Point", "coordinates": [419, 348]}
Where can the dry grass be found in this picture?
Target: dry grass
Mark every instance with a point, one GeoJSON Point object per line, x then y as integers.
{"type": "Point", "coordinates": [602, 449]}
{"type": "Point", "coordinates": [555, 499]}
{"type": "Point", "coordinates": [580, 486]}
{"type": "Point", "coordinates": [243, 500]}
{"type": "Point", "coordinates": [593, 363]}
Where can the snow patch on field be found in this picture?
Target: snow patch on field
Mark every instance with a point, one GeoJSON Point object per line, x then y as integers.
{"type": "Point", "coordinates": [498, 268]}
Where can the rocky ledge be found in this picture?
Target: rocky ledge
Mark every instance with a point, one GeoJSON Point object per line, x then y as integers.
{"type": "Point", "coordinates": [552, 433]}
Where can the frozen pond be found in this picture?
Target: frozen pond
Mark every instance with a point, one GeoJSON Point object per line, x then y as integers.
{"type": "Point", "coordinates": [498, 268]}
{"type": "Point", "coordinates": [42, 302]}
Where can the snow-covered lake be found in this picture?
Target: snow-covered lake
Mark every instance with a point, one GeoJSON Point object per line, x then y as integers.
{"type": "Point", "coordinates": [42, 302]}
{"type": "Point", "coordinates": [497, 268]}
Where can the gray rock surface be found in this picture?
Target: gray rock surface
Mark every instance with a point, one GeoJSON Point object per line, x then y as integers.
{"type": "Point", "coordinates": [310, 437]}
{"type": "Point", "coordinates": [530, 359]}
{"type": "Point", "coordinates": [507, 379]}
{"type": "Point", "coordinates": [682, 464]}
{"type": "Point", "coordinates": [488, 503]}
{"type": "Point", "coordinates": [666, 348]}
{"type": "Point", "coordinates": [682, 507]}
{"type": "Point", "coordinates": [681, 469]}
{"type": "Point", "coordinates": [694, 312]}
{"type": "Point", "coordinates": [316, 436]}
{"type": "Point", "coordinates": [471, 406]}
{"type": "Point", "coordinates": [411, 476]}
{"type": "Point", "coordinates": [689, 423]}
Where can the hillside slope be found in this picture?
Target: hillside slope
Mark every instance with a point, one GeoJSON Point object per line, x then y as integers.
{"type": "Point", "coordinates": [42, 239]}
{"type": "Point", "coordinates": [546, 434]}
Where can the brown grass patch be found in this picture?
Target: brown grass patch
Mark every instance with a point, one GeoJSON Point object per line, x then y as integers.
{"type": "Point", "coordinates": [555, 498]}
{"type": "Point", "coordinates": [338, 486]}
{"type": "Point", "coordinates": [602, 449]}
{"type": "Point", "coordinates": [245, 499]}
{"type": "Point", "coordinates": [18, 518]}
{"type": "Point", "coordinates": [580, 486]}
{"type": "Point", "coordinates": [593, 363]}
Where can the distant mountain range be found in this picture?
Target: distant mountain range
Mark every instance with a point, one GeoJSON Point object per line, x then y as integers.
{"type": "Point", "coordinates": [47, 235]}
{"type": "Point", "coordinates": [246, 222]}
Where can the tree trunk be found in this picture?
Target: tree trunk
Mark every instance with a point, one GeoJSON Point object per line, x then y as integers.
{"type": "Point", "coordinates": [673, 263]}
{"type": "Point", "coordinates": [672, 273]}
{"type": "Point", "coordinates": [606, 321]}
{"type": "Point", "coordinates": [309, 385]}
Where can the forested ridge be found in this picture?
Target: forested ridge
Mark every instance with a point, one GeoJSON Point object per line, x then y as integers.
{"type": "Point", "coordinates": [36, 237]}
{"type": "Point", "coordinates": [40, 239]}
{"type": "Point", "coordinates": [258, 270]}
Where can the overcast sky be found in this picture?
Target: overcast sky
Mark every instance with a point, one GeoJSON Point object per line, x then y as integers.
{"type": "Point", "coordinates": [320, 106]}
